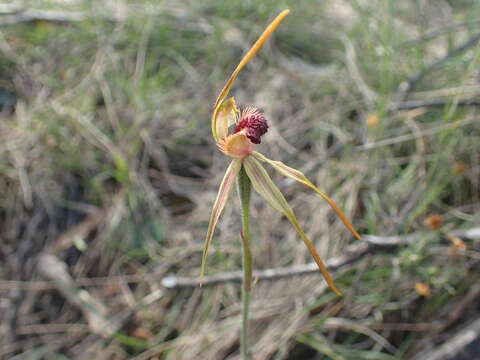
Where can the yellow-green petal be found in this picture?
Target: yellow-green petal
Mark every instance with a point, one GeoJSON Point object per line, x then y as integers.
{"type": "Point", "coordinates": [301, 178]}
{"type": "Point", "coordinates": [264, 186]}
{"type": "Point", "coordinates": [218, 205]}
{"type": "Point", "coordinates": [226, 116]}
{"type": "Point", "coordinates": [250, 54]}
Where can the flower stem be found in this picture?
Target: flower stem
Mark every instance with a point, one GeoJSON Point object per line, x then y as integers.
{"type": "Point", "coordinates": [244, 191]}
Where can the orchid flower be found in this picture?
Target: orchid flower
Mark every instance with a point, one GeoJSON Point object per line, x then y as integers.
{"type": "Point", "coordinates": [247, 127]}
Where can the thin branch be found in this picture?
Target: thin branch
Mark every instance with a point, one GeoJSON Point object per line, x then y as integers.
{"type": "Point", "coordinates": [43, 285]}
{"type": "Point", "coordinates": [425, 132]}
{"type": "Point", "coordinates": [416, 104]}
{"type": "Point", "coordinates": [94, 311]}
{"type": "Point", "coordinates": [408, 85]}
{"type": "Point", "coordinates": [30, 15]}
{"type": "Point", "coordinates": [342, 323]}
{"type": "Point", "coordinates": [460, 346]}
{"type": "Point", "coordinates": [352, 253]}
{"type": "Point", "coordinates": [368, 94]}
{"type": "Point", "coordinates": [369, 244]}
{"type": "Point", "coordinates": [440, 31]}
{"type": "Point", "coordinates": [459, 308]}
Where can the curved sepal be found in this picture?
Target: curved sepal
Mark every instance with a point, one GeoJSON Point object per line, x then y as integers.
{"type": "Point", "coordinates": [301, 178]}
{"type": "Point", "coordinates": [218, 205]}
{"type": "Point", "coordinates": [264, 186]}
{"type": "Point", "coordinates": [250, 54]}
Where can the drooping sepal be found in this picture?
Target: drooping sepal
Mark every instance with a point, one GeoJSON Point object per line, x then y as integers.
{"type": "Point", "coordinates": [264, 186]}
{"type": "Point", "coordinates": [301, 178]}
{"type": "Point", "coordinates": [218, 205]}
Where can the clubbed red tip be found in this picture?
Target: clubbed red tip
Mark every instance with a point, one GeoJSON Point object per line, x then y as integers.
{"type": "Point", "coordinates": [254, 124]}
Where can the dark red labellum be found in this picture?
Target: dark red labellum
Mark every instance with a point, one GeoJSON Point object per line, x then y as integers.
{"type": "Point", "coordinates": [254, 123]}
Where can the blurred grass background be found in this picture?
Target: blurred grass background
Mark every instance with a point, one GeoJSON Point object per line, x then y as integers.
{"type": "Point", "coordinates": [108, 173]}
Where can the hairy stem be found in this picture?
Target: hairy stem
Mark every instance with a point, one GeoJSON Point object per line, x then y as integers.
{"type": "Point", "coordinates": [244, 191]}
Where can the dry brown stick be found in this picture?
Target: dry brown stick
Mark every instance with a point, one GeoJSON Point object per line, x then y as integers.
{"type": "Point", "coordinates": [356, 326]}
{"type": "Point", "coordinates": [442, 30]}
{"type": "Point", "coordinates": [417, 104]}
{"type": "Point", "coordinates": [42, 285]}
{"type": "Point", "coordinates": [94, 311]}
{"type": "Point", "coordinates": [459, 308]}
{"type": "Point", "coordinates": [30, 15]}
{"type": "Point", "coordinates": [456, 346]}
{"type": "Point", "coordinates": [353, 253]}
{"type": "Point", "coordinates": [409, 84]}
{"type": "Point", "coordinates": [412, 327]}
{"type": "Point", "coordinates": [425, 132]}
{"type": "Point", "coordinates": [370, 243]}
{"type": "Point", "coordinates": [51, 328]}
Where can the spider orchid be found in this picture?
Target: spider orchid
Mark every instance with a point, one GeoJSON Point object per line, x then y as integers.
{"type": "Point", "coordinates": [247, 127]}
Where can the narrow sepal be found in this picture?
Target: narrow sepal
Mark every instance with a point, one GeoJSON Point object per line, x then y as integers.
{"type": "Point", "coordinates": [250, 54]}
{"type": "Point", "coordinates": [301, 178]}
{"type": "Point", "coordinates": [218, 205]}
{"type": "Point", "coordinates": [264, 186]}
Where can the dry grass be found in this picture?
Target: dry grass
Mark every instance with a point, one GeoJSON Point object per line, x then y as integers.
{"type": "Point", "coordinates": [107, 169]}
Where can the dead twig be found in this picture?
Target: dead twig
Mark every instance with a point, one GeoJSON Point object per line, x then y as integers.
{"type": "Point", "coordinates": [370, 243]}
{"type": "Point", "coordinates": [440, 31]}
{"type": "Point", "coordinates": [17, 16]}
{"type": "Point", "coordinates": [460, 346]}
{"type": "Point", "coordinates": [93, 310]}
{"type": "Point", "coordinates": [356, 326]}
{"type": "Point", "coordinates": [352, 254]}
{"type": "Point", "coordinates": [459, 308]}
{"type": "Point", "coordinates": [408, 85]}
{"type": "Point", "coordinates": [368, 94]}
{"type": "Point", "coordinates": [417, 104]}
{"type": "Point", "coordinates": [424, 132]}
{"type": "Point", "coordinates": [42, 285]}
{"type": "Point", "coordinates": [96, 313]}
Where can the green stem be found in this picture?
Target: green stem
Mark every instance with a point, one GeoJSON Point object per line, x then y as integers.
{"type": "Point", "coordinates": [244, 191]}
